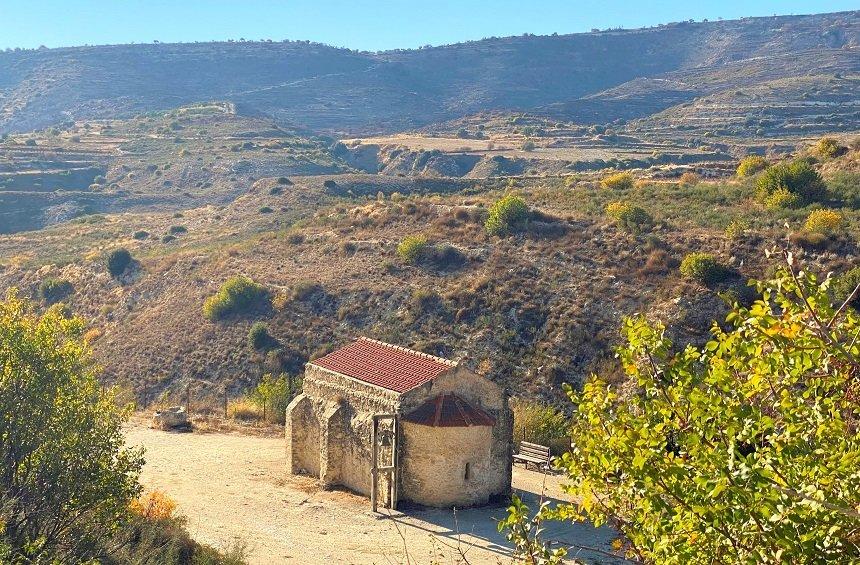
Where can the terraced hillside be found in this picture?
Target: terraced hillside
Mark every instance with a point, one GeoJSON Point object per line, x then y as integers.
{"type": "Point", "coordinates": [588, 78]}
{"type": "Point", "coordinates": [172, 160]}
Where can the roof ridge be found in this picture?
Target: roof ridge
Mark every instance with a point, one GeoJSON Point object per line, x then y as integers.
{"type": "Point", "coordinates": [411, 351]}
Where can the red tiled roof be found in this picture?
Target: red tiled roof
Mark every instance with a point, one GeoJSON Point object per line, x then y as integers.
{"type": "Point", "coordinates": [449, 410]}
{"type": "Point", "coordinates": [384, 365]}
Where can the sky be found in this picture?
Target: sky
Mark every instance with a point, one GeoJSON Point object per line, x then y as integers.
{"type": "Point", "coordinates": [370, 25]}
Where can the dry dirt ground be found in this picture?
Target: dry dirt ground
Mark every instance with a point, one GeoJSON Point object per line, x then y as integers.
{"type": "Point", "coordinates": [233, 486]}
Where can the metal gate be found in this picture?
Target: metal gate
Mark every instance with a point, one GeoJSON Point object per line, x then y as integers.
{"type": "Point", "coordinates": [384, 459]}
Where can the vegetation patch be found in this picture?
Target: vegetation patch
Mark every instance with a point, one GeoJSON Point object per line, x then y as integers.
{"type": "Point", "coordinates": [118, 261]}
{"type": "Point", "coordinates": [54, 290]}
{"type": "Point", "coordinates": [236, 296]}
{"type": "Point", "coordinates": [629, 217]}
{"type": "Point", "coordinates": [798, 178]}
{"type": "Point", "coordinates": [509, 214]}
{"type": "Point", "coordinates": [618, 181]}
{"type": "Point", "coordinates": [751, 165]}
{"type": "Point", "coordinates": [702, 267]}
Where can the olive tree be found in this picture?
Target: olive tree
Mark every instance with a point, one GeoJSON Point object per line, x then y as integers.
{"type": "Point", "coordinates": [66, 477]}
{"type": "Point", "coordinates": [745, 450]}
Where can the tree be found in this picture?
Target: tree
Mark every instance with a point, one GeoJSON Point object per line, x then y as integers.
{"type": "Point", "coordinates": [66, 477]}
{"type": "Point", "coordinates": [745, 450]}
{"type": "Point", "coordinates": [118, 261]}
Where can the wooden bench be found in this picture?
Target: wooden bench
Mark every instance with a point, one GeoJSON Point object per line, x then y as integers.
{"type": "Point", "coordinates": [533, 453]}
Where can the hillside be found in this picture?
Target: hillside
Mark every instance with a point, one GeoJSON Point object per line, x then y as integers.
{"type": "Point", "coordinates": [589, 78]}
{"type": "Point", "coordinates": [534, 310]}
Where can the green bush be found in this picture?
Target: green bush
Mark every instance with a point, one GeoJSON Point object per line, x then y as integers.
{"type": "Point", "coordinates": [529, 145]}
{"type": "Point", "coordinates": [508, 214]}
{"type": "Point", "coordinates": [411, 249]}
{"type": "Point", "coordinates": [54, 290]}
{"type": "Point", "coordinates": [629, 217]}
{"type": "Point", "coordinates": [266, 210]}
{"type": "Point", "coordinates": [798, 177]}
{"type": "Point", "coordinates": [259, 338]}
{"type": "Point", "coordinates": [176, 230]}
{"type": "Point", "coordinates": [751, 165]}
{"type": "Point", "coordinates": [118, 261]}
{"type": "Point", "coordinates": [272, 395]}
{"type": "Point", "coordinates": [236, 296]}
{"type": "Point", "coordinates": [167, 238]}
{"type": "Point", "coordinates": [538, 423]}
{"type": "Point", "coordinates": [702, 267]}
{"type": "Point", "coordinates": [844, 285]}
{"type": "Point", "coordinates": [828, 147]}
{"type": "Point", "coordinates": [140, 234]}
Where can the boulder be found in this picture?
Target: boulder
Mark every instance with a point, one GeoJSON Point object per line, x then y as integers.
{"type": "Point", "coordinates": [172, 418]}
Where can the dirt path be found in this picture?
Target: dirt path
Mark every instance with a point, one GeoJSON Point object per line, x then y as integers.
{"type": "Point", "coordinates": [235, 486]}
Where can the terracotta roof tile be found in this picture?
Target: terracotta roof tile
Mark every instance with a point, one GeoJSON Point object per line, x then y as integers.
{"type": "Point", "coordinates": [384, 365]}
{"type": "Point", "coordinates": [449, 410]}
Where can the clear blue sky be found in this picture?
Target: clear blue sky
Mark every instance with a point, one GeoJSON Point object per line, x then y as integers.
{"type": "Point", "coordinates": [358, 24]}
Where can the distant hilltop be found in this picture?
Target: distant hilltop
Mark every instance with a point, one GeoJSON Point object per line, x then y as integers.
{"type": "Point", "coordinates": [588, 77]}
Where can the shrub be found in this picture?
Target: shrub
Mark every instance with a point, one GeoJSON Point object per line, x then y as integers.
{"type": "Point", "coordinates": [538, 423]}
{"type": "Point", "coordinates": [118, 261]}
{"type": "Point", "coordinates": [303, 290]}
{"type": "Point", "coordinates": [295, 238]}
{"type": "Point", "coordinates": [167, 238]}
{"type": "Point", "coordinates": [826, 222]}
{"type": "Point", "coordinates": [528, 145]}
{"type": "Point", "coordinates": [236, 296]}
{"type": "Point", "coordinates": [140, 234]}
{"type": "Point", "coordinates": [781, 198]}
{"type": "Point", "coordinates": [259, 338]}
{"type": "Point", "coordinates": [809, 240]}
{"type": "Point", "coordinates": [629, 217]}
{"type": "Point", "coordinates": [508, 214]}
{"type": "Point", "coordinates": [618, 181]}
{"type": "Point", "coordinates": [736, 229]}
{"type": "Point", "coordinates": [726, 450]}
{"type": "Point", "coordinates": [176, 230]}
{"type": "Point", "coordinates": [751, 164]}
{"type": "Point", "coordinates": [702, 267]}
{"type": "Point", "coordinates": [54, 290]}
{"type": "Point", "coordinates": [844, 285]}
{"type": "Point", "coordinates": [285, 181]}
{"type": "Point", "coordinates": [690, 179]}
{"type": "Point", "coordinates": [68, 476]}
{"type": "Point", "coordinates": [828, 147]}
{"type": "Point", "coordinates": [412, 248]}
{"type": "Point", "coordinates": [798, 177]}
{"type": "Point", "coordinates": [272, 395]}
{"type": "Point", "coordinates": [266, 210]}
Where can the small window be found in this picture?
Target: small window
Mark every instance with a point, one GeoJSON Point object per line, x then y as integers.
{"type": "Point", "coordinates": [468, 474]}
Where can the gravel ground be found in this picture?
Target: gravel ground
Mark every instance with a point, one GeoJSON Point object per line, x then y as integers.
{"type": "Point", "coordinates": [233, 486]}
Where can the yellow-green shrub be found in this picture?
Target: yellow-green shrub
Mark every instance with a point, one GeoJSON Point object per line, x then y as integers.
{"type": "Point", "coordinates": [827, 147]}
{"type": "Point", "coordinates": [411, 248]}
{"type": "Point", "coordinates": [702, 267]}
{"type": "Point", "coordinates": [237, 295]}
{"type": "Point", "coordinates": [629, 217]}
{"type": "Point", "coordinates": [751, 165]}
{"type": "Point", "coordinates": [823, 221]}
{"type": "Point", "coordinates": [506, 215]}
{"type": "Point", "coordinates": [780, 198]}
{"type": "Point", "coordinates": [618, 181]}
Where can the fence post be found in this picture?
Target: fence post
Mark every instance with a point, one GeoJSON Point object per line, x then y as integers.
{"type": "Point", "coordinates": [225, 402]}
{"type": "Point", "coordinates": [188, 398]}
